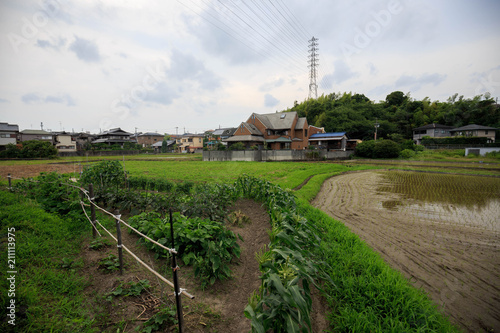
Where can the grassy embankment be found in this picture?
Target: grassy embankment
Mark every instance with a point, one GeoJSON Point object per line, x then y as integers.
{"type": "Point", "coordinates": [48, 287]}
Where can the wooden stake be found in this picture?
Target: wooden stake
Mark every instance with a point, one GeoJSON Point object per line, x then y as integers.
{"type": "Point", "coordinates": [92, 210]}
{"type": "Point", "coordinates": [119, 239]}
{"type": "Point", "coordinates": [176, 282]}
{"type": "Point", "coordinates": [9, 177]}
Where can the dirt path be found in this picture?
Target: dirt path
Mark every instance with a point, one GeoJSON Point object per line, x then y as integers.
{"type": "Point", "coordinates": [459, 267]}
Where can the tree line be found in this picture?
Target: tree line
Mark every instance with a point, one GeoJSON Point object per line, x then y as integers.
{"type": "Point", "coordinates": [357, 115]}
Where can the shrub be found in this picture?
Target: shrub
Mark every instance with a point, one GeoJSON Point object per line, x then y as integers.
{"type": "Point", "coordinates": [407, 153]}
{"type": "Point", "coordinates": [30, 149]}
{"type": "Point", "coordinates": [386, 149]}
{"type": "Point", "coordinates": [237, 146]}
{"type": "Point", "coordinates": [378, 149]}
{"type": "Point", "coordinates": [365, 149]}
{"type": "Point", "coordinates": [104, 174]}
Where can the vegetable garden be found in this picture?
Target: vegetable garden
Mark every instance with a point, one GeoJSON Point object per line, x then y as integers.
{"type": "Point", "coordinates": [307, 250]}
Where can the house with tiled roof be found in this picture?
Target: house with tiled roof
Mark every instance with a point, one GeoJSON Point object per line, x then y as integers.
{"type": "Point", "coordinates": [115, 136]}
{"type": "Point", "coordinates": [149, 138]}
{"type": "Point", "coordinates": [8, 134]}
{"type": "Point", "coordinates": [476, 131]}
{"type": "Point", "coordinates": [30, 134]}
{"type": "Point", "coordinates": [277, 131]}
{"type": "Point", "coordinates": [431, 130]}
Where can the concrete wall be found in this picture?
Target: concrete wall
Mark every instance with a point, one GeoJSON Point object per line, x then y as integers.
{"type": "Point", "coordinates": [275, 155]}
{"type": "Point", "coordinates": [480, 151]}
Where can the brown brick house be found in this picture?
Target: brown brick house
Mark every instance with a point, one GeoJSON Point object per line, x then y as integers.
{"type": "Point", "coordinates": [149, 138]}
{"type": "Point", "coordinates": [284, 130]}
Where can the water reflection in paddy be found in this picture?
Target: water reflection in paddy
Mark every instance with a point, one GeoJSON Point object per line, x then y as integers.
{"type": "Point", "coordinates": [455, 199]}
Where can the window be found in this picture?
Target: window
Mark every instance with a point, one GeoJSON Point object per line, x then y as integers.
{"type": "Point", "coordinates": [486, 132]}
{"type": "Point", "coordinates": [283, 116]}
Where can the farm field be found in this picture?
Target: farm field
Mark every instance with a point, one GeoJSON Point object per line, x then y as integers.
{"type": "Point", "coordinates": [441, 231]}
{"type": "Point", "coordinates": [304, 180]}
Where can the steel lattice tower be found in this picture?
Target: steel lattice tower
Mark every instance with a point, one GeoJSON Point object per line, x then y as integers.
{"type": "Point", "coordinates": [313, 62]}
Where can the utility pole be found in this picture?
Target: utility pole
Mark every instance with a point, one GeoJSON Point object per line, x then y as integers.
{"type": "Point", "coordinates": [176, 132]}
{"type": "Point", "coordinates": [313, 62]}
{"type": "Point", "coordinates": [41, 125]}
{"type": "Point", "coordinates": [377, 125]}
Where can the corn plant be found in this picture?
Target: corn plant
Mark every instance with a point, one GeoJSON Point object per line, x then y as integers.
{"type": "Point", "coordinates": [284, 302]}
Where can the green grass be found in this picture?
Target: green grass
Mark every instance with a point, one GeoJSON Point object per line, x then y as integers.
{"type": "Point", "coordinates": [369, 296]}
{"type": "Point", "coordinates": [48, 296]}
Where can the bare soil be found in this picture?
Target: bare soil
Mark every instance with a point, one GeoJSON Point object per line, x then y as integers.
{"type": "Point", "coordinates": [457, 266]}
{"type": "Point", "coordinates": [25, 171]}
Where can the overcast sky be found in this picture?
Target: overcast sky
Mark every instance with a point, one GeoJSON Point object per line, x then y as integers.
{"type": "Point", "coordinates": [193, 65]}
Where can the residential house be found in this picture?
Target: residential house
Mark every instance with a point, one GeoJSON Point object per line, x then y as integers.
{"type": "Point", "coordinates": [29, 134]}
{"type": "Point", "coordinates": [8, 135]}
{"type": "Point", "coordinates": [64, 142]}
{"type": "Point", "coordinates": [158, 146]}
{"type": "Point", "coordinates": [115, 136]}
{"type": "Point", "coordinates": [475, 130]}
{"type": "Point", "coordinates": [83, 140]}
{"type": "Point", "coordinates": [220, 134]}
{"type": "Point", "coordinates": [189, 143]}
{"type": "Point", "coordinates": [149, 138]}
{"type": "Point", "coordinates": [332, 141]}
{"type": "Point", "coordinates": [284, 130]}
{"type": "Point", "coordinates": [431, 130]}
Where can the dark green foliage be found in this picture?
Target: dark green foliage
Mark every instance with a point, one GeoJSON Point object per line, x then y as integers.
{"type": "Point", "coordinates": [30, 149]}
{"type": "Point", "coordinates": [207, 245]}
{"type": "Point", "coordinates": [378, 149]}
{"type": "Point", "coordinates": [108, 173]}
{"type": "Point", "coordinates": [109, 264]}
{"type": "Point", "coordinates": [51, 191]}
{"type": "Point", "coordinates": [365, 149]}
{"type": "Point", "coordinates": [398, 114]}
{"type": "Point", "coordinates": [237, 146]}
{"type": "Point", "coordinates": [386, 149]}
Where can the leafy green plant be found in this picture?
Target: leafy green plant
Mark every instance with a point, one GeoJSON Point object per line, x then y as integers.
{"type": "Point", "coordinates": [109, 263]}
{"type": "Point", "coordinates": [108, 173]}
{"type": "Point", "coordinates": [205, 244]}
{"type": "Point", "coordinates": [99, 243]}
{"type": "Point", "coordinates": [129, 289]}
{"type": "Point", "coordinates": [166, 316]}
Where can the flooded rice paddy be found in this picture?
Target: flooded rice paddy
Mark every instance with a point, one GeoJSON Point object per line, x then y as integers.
{"type": "Point", "coordinates": [469, 201]}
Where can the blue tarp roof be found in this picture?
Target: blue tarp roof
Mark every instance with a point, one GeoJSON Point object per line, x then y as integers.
{"type": "Point", "coordinates": [327, 135]}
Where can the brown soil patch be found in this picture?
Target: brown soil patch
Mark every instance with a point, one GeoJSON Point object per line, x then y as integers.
{"type": "Point", "coordinates": [25, 171]}
{"type": "Point", "coordinates": [457, 266]}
